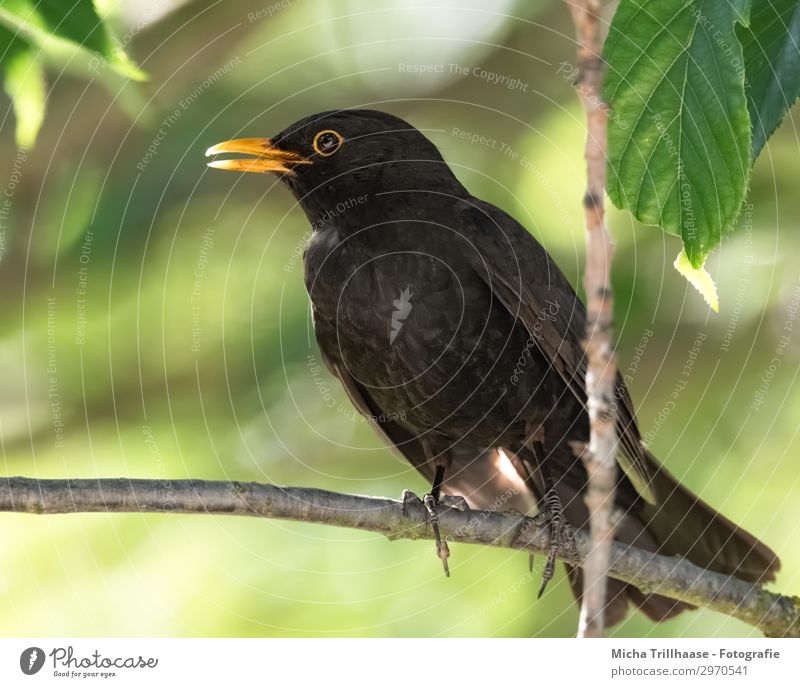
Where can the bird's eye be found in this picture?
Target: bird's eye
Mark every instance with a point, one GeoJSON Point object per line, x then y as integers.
{"type": "Point", "coordinates": [327, 142]}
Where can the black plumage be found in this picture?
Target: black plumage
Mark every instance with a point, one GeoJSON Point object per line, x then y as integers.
{"type": "Point", "coordinates": [453, 330]}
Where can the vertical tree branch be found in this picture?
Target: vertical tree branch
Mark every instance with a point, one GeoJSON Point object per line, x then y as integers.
{"type": "Point", "coordinates": [600, 459]}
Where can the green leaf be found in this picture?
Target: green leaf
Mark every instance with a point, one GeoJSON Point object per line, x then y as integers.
{"type": "Point", "coordinates": [679, 130]}
{"type": "Point", "coordinates": [771, 48]}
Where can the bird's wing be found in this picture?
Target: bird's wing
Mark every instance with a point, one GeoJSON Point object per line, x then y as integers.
{"type": "Point", "coordinates": [397, 437]}
{"type": "Point", "coordinates": [526, 281]}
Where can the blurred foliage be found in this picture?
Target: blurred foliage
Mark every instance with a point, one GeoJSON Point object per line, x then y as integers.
{"type": "Point", "coordinates": [31, 33]}
{"type": "Point", "coordinates": [155, 324]}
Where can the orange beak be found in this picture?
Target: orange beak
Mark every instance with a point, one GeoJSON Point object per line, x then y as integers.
{"type": "Point", "coordinates": [267, 158]}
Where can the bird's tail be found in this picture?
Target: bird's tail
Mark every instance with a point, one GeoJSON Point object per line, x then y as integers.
{"type": "Point", "coordinates": [682, 524]}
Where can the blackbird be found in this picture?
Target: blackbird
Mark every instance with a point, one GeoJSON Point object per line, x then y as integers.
{"type": "Point", "coordinates": [455, 333]}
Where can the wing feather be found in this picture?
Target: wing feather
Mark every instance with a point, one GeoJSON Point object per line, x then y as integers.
{"type": "Point", "coordinates": [405, 444]}
{"type": "Point", "coordinates": [526, 281]}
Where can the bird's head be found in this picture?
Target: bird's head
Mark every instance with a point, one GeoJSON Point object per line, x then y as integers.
{"type": "Point", "coordinates": [328, 156]}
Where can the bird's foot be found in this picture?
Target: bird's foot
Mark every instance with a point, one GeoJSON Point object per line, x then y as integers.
{"type": "Point", "coordinates": [453, 501]}
{"type": "Point", "coordinates": [525, 526]}
{"type": "Point", "coordinates": [431, 505]}
{"type": "Point", "coordinates": [408, 497]}
{"type": "Point", "coordinates": [433, 518]}
{"type": "Point", "coordinates": [561, 537]}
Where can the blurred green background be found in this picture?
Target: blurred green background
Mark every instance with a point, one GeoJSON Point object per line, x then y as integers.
{"type": "Point", "coordinates": [154, 324]}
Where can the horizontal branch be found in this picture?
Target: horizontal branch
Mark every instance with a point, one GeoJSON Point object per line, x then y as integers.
{"type": "Point", "coordinates": [773, 614]}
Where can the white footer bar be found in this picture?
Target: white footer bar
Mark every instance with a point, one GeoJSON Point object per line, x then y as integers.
{"type": "Point", "coordinates": [398, 662]}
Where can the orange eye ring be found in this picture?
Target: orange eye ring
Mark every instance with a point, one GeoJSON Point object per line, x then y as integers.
{"type": "Point", "coordinates": [327, 142]}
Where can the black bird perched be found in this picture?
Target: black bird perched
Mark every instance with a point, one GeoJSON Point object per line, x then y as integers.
{"type": "Point", "coordinates": [455, 333]}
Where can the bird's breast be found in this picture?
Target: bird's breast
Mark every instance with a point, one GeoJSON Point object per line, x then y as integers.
{"type": "Point", "coordinates": [419, 330]}
{"type": "Point", "coordinates": [384, 308]}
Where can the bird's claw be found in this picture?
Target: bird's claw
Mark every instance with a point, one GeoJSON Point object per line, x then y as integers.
{"type": "Point", "coordinates": [561, 537]}
{"type": "Point", "coordinates": [534, 523]}
{"type": "Point", "coordinates": [430, 504]}
{"type": "Point", "coordinates": [442, 549]}
{"type": "Point", "coordinates": [562, 540]}
{"type": "Point", "coordinates": [453, 501]}
{"type": "Point", "coordinates": [406, 498]}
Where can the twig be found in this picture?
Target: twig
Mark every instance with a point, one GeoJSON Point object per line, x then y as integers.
{"type": "Point", "coordinates": [676, 578]}
{"type": "Point", "coordinates": [600, 459]}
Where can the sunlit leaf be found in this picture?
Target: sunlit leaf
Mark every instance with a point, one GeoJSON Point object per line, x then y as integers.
{"type": "Point", "coordinates": [24, 82]}
{"type": "Point", "coordinates": [26, 86]}
{"type": "Point", "coordinates": [699, 278]}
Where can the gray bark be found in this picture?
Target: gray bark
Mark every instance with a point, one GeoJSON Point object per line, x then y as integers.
{"type": "Point", "coordinates": [772, 613]}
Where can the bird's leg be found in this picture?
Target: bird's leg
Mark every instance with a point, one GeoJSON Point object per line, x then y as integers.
{"type": "Point", "coordinates": [534, 433]}
{"type": "Point", "coordinates": [552, 513]}
{"type": "Point", "coordinates": [430, 501]}
{"type": "Point", "coordinates": [434, 499]}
